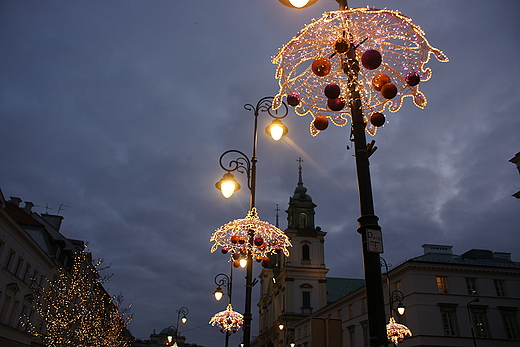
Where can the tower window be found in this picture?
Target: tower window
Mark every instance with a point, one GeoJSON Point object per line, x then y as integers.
{"type": "Point", "coordinates": [302, 222]}
{"type": "Point", "coordinates": [306, 252]}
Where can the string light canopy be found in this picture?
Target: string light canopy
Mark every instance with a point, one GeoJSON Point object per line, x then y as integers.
{"type": "Point", "coordinates": [227, 320]}
{"type": "Point", "coordinates": [397, 332]}
{"type": "Point", "coordinates": [233, 238]}
{"type": "Point", "coordinates": [318, 68]}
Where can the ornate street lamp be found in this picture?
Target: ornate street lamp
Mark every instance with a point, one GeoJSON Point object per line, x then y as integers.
{"type": "Point", "coordinates": [320, 74]}
{"type": "Point", "coordinates": [184, 311]}
{"type": "Point", "coordinates": [245, 229]}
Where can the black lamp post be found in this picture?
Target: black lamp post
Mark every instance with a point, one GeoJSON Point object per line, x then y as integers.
{"type": "Point", "coordinates": [184, 311]}
{"type": "Point", "coordinates": [395, 296]}
{"type": "Point", "coordinates": [228, 184]}
{"type": "Point", "coordinates": [223, 280]}
{"type": "Point", "coordinates": [470, 322]}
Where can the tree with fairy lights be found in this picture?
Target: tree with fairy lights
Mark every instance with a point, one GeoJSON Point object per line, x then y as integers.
{"type": "Point", "coordinates": [77, 311]}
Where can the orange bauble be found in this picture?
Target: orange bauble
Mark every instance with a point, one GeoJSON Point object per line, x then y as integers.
{"type": "Point", "coordinates": [235, 238]}
{"type": "Point", "coordinates": [389, 91]}
{"type": "Point", "coordinates": [321, 67]}
{"type": "Point", "coordinates": [321, 122]}
{"type": "Point", "coordinates": [379, 81]}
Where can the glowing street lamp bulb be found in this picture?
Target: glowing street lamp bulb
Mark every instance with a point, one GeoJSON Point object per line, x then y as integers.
{"type": "Point", "coordinates": [227, 188]}
{"type": "Point", "coordinates": [219, 293]}
{"type": "Point", "coordinates": [401, 309]}
{"type": "Point", "coordinates": [243, 263]}
{"type": "Point", "coordinates": [276, 129]}
{"type": "Point", "coordinates": [170, 338]}
{"type": "Point", "coordinates": [184, 319]}
{"type": "Point", "coordinates": [298, 3]}
{"type": "Point", "coordinates": [280, 326]}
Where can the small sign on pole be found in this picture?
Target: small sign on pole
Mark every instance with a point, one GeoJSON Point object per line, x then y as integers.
{"type": "Point", "coordinates": [374, 241]}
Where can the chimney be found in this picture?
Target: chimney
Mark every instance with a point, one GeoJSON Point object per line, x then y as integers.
{"type": "Point", "coordinates": [439, 249]}
{"type": "Point", "coordinates": [15, 201]}
{"type": "Point", "coordinates": [28, 207]}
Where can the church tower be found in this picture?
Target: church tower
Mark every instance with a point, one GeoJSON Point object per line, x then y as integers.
{"type": "Point", "coordinates": [294, 286]}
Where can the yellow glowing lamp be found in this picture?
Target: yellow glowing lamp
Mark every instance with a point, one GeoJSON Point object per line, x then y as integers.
{"type": "Point", "coordinates": [280, 326]}
{"type": "Point", "coordinates": [227, 185]}
{"type": "Point", "coordinates": [298, 3]}
{"type": "Point", "coordinates": [218, 293]}
{"type": "Point", "coordinates": [243, 262]}
{"type": "Point", "coordinates": [184, 319]}
{"type": "Point", "coordinates": [401, 309]}
{"type": "Point", "coordinates": [276, 129]}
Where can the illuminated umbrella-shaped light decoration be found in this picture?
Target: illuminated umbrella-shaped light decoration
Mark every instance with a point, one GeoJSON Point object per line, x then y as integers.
{"type": "Point", "coordinates": [267, 239]}
{"type": "Point", "coordinates": [392, 52]}
{"type": "Point", "coordinates": [397, 332]}
{"type": "Point", "coordinates": [227, 320]}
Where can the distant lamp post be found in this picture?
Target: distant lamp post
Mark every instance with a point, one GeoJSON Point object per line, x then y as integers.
{"type": "Point", "coordinates": [364, 58]}
{"type": "Point", "coordinates": [248, 240]}
{"type": "Point", "coordinates": [184, 311]}
{"type": "Point", "coordinates": [470, 322]}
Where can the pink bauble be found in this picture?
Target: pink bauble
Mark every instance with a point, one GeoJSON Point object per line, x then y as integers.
{"type": "Point", "coordinates": [225, 250]}
{"type": "Point", "coordinates": [377, 119]}
{"type": "Point", "coordinates": [236, 256]}
{"type": "Point", "coordinates": [258, 241]}
{"type": "Point", "coordinates": [293, 99]}
{"type": "Point", "coordinates": [412, 78]}
{"type": "Point", "coordinates": [336, 104]}
{"type": "Point", "coordinates": [371, 59]}
{"type": "Point", "coordinates": [332, 91]}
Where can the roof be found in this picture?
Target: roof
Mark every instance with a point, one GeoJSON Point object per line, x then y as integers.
{"type": "Point", "coordinates": [473, 257]}
{"type": "Point", "coordinates": [340, 287]}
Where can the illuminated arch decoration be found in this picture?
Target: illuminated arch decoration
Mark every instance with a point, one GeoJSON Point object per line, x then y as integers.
{"type": "Point", "coordinates": [233, 238]}
{"type": "Point", "coordinates": [337, 37]}
{"type": "Point", "coordinates": [397, 332]}
{"type": "Point", "coordinates": [227, 320]}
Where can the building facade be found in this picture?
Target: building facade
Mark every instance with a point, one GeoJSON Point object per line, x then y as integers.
{"type": "Point", "coordinates": [451, 300]}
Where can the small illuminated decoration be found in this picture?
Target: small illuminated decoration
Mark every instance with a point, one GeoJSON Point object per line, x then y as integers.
{"type": "Point", "coordinates": [380, 51]}
{"type": "Point", "coordinates": [267, 239]}
{"type": "Point", "coordinates": [227, 320]}
{"type": "Point", "coordinates": [397, 332]}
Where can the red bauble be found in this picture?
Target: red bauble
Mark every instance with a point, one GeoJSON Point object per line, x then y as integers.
{"type": "Point", "coordinates": [236, 256]}
{"type": "Point", "coordinates": [258, 258]}
{"type": "Point", "coordinates": [225, 250]}
{"type": "Point", "coordinates": [377, 119]}
{"type": "Point", "coordinates": [379, 81]}
{"type": "Point", "coordinates": [332, 91]}
{"type": "Point", "coordinates": [336, 104]}
{"type": "Point", "coordinates": [258, 241]}
{"type": "Point", "coordinates": [321, 67]}
{"type": "Point", "coordinates": [389, 91]}
{"type": "Point", "coordinates": [236, 263]}
{"type": "Point", "coordinates": [341, 46]}
{"type": "Point", "coordinates": [371, 59]}
{"type": "Point", "coordinates": [241, 240]}
{"type": "Point", "coordinates": [265, 261]}
{"type": "Point", "coordinates": [412, 78]}
{"type": "Point", "coordinates": [262, 246]}
{"type": "Point", "coordinates": [234, 238]}
{"type": "Point", "coordinates": [293, 99]}
{"type": "Point", "coordinates": [321, 122]}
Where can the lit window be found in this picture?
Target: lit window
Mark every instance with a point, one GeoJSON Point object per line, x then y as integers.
{"type": "Point", "coordinates": [500, 287]}
{"type": "Point", "coordinates": [471, 285]}
{"type": "Point", "coordinates": [442, 284]}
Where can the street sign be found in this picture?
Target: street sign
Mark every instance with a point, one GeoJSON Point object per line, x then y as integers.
{"type": "Point", "coordinates": [374, 241]}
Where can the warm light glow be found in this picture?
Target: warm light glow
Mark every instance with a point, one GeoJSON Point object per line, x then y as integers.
{"type": "Point", "coordinates": [184, 319]}
{"type": "Point", "coordinates": [276, 129]}
{"type": "Point", "coordinates": [218, 293]}
{"type": "Point", "coordinates": [293, 344]}
{"type": "Point", "coordinates": [274, 280]}
{"type": "Point", "coordinates": [397, 332]}
{"type": "Point", "coordinates": [280, 326]}
{"type": "Point", "coordinates": [170, 338]}
{"type": "Point", "coordinates": [243, 262]}
{"type": "Point", "coordinates": [227, 188]}
{"type": "Point", "coordinates": [401, 309]}
{"type": "Point", "coordinates": [227, 320]}
{"type": "Point", "coordinates": [175, 344]}
{"type": "Point", "coordinates": [298, 3]}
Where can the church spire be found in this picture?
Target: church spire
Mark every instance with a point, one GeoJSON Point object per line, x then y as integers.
{"type": "Point", "coordinates": [301, 208]}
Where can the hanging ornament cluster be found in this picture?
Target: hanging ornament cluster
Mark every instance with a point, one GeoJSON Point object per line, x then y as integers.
{"type": "Point", "coordinates": [397, 332]}
{"type": "Point", "coordinates": [267, 239]}
{"type": "Point", "coordinates": [319, 67]}
{"type": "Point", "coordinates": [227, 320]}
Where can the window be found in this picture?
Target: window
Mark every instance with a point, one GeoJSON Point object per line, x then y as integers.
{"type": "Point", "coordinates": [442, 284]}
{"type": "Point", "coordinates": [302, 223]}
{"type": "Point", "coordinates": [471, 285]}
{"type": "Point", "coordinates": [480, 323]}
{"type": "Point", "coordinates": [26, 275]}
{"type": "Point", "coordinates": [510, 323]}
{"type": "Point", "coordinates": [366, 339]}
{"type": "Point", "coordinates": [449, 319]}
{"type": "Point", "coordinates": [500, 287]}
{"type": "Point", "coordinates": [10, 259]}
{"type": "Point", "coordinates": [19, 265]}
{"type": "Point", "coordinates": [306, 299]}
{"type": "Point", "coordinates": [306, 252]}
